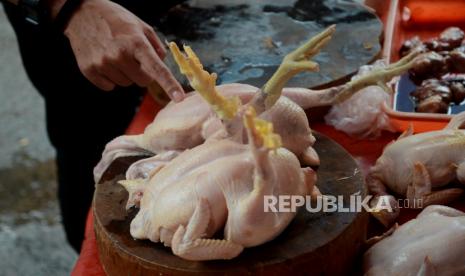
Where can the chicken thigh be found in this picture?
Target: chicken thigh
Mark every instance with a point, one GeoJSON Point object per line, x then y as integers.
{"type": "Point", "coordinates": [431, 244]}
{"type": "Point", "coordinates": [219, 185]}
{"type": "Point", "coordinates": [419, 167]}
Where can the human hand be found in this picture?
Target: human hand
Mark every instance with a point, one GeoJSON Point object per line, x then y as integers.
{"type": "Point", "coordinates": [113, 47]}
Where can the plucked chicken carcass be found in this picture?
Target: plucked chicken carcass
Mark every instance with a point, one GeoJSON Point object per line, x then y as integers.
{"type": "Point", "coordinates": [431, 244]}
{"type": "Point", "coordinates": [419, 167]}
{"type": "Point", "coordinates": [180, 126]}
{"type": "Point", "coordinates": [218, 185]}
{"type": "Point", "coordinates": [231, 172]}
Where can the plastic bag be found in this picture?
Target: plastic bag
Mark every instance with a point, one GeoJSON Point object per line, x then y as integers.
{"type": "Point", "coordinates": [362, 115]}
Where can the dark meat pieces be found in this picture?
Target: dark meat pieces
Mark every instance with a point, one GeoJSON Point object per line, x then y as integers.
{"type": "Point", "coordinates": [452, 36]}
{"type": "Point", "coordinates": [457, 88]}
{"type": "Point", "coordinates": [448, 40]}
{"type": "Point", "coordinates": [412, 44]}
{"type": "Point", "coordinates": [456, 60]}
{"type": "Point", "coordinates": [445, 55]}
{"type": "Point", "coordinates": [431, 65]}
{"type": "Point", "coordinates": [435, 96]}
{"type": "Point", "coordinates": [437, 45]}
{"type": "Point", "coordinates": [458, 92]}
{"type": "Point", "coordinates": [433, 87]}
{"type": "Point", "coordinates": [433, 104]}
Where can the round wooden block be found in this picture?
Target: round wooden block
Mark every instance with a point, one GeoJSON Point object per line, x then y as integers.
{"type": "Point", "coordinates": [314, 243]}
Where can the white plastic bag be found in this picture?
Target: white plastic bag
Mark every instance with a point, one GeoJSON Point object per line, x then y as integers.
{"type": "Point", "coordinates": [362, 115]}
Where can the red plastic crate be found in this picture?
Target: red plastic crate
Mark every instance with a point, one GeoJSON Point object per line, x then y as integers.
{"type": "Point", "coordinates": [404, 19]}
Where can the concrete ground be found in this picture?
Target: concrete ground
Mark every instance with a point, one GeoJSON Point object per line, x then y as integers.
{"type": "Point", "coordinates": [32, 240]}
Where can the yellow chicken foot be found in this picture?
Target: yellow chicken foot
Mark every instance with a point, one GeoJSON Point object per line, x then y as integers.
{"type": "Point", "coordinates": [293, 63]}
{"type": "Point", "coordinates": [377, 77]}
{"type": "Point", "coordinates": [203, 82]}
{"type": "Point", "coordinates": [260, 131]}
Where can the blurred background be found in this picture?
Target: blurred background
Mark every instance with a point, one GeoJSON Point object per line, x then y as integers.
{"type": "Point", "coordinates": [32, 241]}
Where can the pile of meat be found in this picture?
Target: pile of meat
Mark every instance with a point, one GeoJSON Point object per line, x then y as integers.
{"type": "Point", "coordinates": [444, 56]}
{"type": "Point", "coordinates": [436, 95]}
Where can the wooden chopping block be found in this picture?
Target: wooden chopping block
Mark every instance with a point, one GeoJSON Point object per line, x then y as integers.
{"type": "Point", "coordinates": [314, 243]}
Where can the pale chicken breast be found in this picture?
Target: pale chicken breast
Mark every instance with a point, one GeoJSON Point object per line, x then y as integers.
{"type": "Point", "coordinates": [431, 244]}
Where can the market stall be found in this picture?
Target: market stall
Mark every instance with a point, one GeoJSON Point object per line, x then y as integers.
{"type": "Point", "coordinates": [116, 232]}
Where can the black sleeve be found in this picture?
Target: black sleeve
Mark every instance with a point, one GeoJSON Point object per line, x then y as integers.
{"type": "Point", "coordinates": [148, 10]}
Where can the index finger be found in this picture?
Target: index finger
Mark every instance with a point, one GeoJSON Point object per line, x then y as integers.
{"type": "Point", "coordinates": [155, 42]}
{"type": "Point", "coordinates": [156, 68]}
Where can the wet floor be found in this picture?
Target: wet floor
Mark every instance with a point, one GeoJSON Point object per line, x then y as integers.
{"type": "Point", "coordinates": [32, 241]}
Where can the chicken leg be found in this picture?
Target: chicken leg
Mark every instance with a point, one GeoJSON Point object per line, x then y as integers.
{"type": "Point", "coordinates": [188, 243]}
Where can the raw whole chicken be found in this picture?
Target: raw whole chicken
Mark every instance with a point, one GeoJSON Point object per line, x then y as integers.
{"type": "Point", "coordinates": [431, 244]}
{"type": "Point", "coordinates": [219, 185]}
{"type": "Point", "coordinates": [228, 172]}
{"type": "Point", "coordinates": [419, 167]}
{"type": "Point", "coordinates": [184, 125]}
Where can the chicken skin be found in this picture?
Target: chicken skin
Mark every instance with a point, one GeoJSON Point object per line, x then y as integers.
{"type": "Point", "coordinates": [219, 185]}
{"type": "Point", "coordinates": [431, 244]}
{"type": "Point", "coordinates": [420, 167]}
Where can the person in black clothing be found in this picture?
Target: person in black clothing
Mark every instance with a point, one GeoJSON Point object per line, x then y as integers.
{"type": "Point", "coordinates": [103, 47]}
